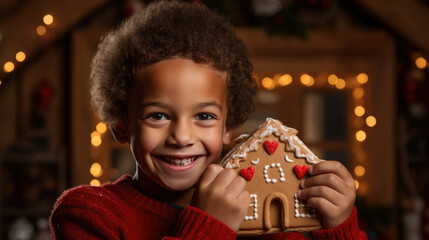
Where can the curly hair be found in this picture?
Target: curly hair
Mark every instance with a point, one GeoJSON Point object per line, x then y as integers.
{"type": "Point", "coordinates": [165, 30]}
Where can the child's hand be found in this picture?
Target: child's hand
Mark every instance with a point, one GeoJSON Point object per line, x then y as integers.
{"type": "Point", "coordinates": [329, 188]}
{"type": "Point", "coordinates": [221, 194]}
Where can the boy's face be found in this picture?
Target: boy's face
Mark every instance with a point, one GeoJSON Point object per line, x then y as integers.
{"type": "Point", "coordinates": [177, 114]}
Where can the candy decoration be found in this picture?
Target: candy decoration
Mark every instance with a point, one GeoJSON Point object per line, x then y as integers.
{"type": "Point", "coordinates": [247, 173]}
{"type": "Point", "coordinates": [300, 171]}
{"type": "Point", "coordinates": [271, 146]}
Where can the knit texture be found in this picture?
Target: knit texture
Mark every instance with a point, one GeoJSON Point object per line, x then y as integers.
{"type": "Point", "coordinates": [119, 211]}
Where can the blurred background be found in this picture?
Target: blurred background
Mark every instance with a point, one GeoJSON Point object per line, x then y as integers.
{"type": "Point", "coordinates": [351, 75]}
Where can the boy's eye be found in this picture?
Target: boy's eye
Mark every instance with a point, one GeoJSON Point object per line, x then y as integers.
{"type": "Point", "coordinates": [205, 116]}
{"type": "Point", "coordinates": [157, 116]}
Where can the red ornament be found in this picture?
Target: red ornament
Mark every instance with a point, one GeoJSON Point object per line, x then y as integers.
{"type": "Point", "coordinates": [300, 171]}
{"type": "Point", "coordinates": [271, 146]}
{"type": "Point", "coordinates": [247, 173]}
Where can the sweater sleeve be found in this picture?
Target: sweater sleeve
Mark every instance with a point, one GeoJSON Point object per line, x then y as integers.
{"type": "Point", "coordinates": [80, 223]}
{"type": "Point", "coordinates": [196, 224]}
{"type": "Point", "coordinates": [349, 229]}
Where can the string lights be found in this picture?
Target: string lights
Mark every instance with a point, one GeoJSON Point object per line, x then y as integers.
{"type": "Point", "coordinates": [20, 56]}
{"type": "Point", "coordinates": [96, 169]}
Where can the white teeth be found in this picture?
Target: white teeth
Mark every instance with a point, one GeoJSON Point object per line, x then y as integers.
{"type": "Point", "coordinates": [179, 162]}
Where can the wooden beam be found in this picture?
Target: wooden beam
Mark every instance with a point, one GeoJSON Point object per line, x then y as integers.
{"type": "Point", "coordinates": [410, 18]}
{"type": "Point", "coordinates": [19, 29]}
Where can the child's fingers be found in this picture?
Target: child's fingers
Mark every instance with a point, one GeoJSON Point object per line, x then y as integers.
{"type": "Point", "coordinates": [321, 204]}
{"type": "Point", "coordinates": [224, 178]}
{"type": "Point", "coordinates": [244, 198]}
{"type": "Point", "coordinates": [329, 179]}
{"type": "Point", "coordinates": [332, 167]}
{"type": "Point", "coordinates": [210, 174]}
{"type": "Point", "coordinates": [324, 192]}
{"type": "Point", "coordinates": [237, 186]}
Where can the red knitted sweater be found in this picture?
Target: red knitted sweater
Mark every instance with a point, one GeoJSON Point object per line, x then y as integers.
{"type": "Point", "coordinates": [119, 211]}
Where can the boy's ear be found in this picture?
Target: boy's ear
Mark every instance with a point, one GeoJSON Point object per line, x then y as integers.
{"type": "Point", "coordinates": [120, 132]}
{"type": "Point", "coordinates": [227, 136]}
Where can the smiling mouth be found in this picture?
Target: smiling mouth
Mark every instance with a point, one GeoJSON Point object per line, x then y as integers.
{"type": "Point", "coordinates": [175, 161]}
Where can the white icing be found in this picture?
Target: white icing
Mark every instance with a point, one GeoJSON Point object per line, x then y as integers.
{"type": "Point", "coordinates": [300, 205]}
{"type": "Point", "coordinates": [268, 179]}
{"type": "Point", "coordinates": [255, 161]}
{"type": "Point", "coordinates": [288, 159]}
{"type": "Point", "coordinates": [309, 156]}
{"type": "Point", "coordinates": [253, 204]}
{"type": "Point", "coordinates": [228, 165]}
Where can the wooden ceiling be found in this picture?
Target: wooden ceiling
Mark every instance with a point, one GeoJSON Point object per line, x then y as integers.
{"type": "Point", "coordinates": [18, 29]}
{"type": "Point", "coordinates": [409, 18]}
{"type": "Point", "coordinates": [18, 25]}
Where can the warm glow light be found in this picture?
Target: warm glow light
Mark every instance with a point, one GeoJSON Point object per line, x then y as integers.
{"type": "Point", "coordinates": [358, 93]}
{"type": "Point", "coordinates": [357, 184]}
{"type": "Point", "coordinates": [0, 82]}
{"type": "Point", "coordinates": [371, 121]}
{"type": "Point", "coordinates": [307, 80]}
{"type": "Point", "coordinates": [360, 135]}
{"type": "Point", "coordinates": [101, 127]}
{"type": "Point", "coordinates": [421, 62]}
{"type": "Point", "coordinates": [20, 56]}
{"type": "Point", "coordinates": [311, 83]}
{"type": "Point", "coordinates": [96, 141]}
{"type": "Point", "coordinates": [359, 111]}
{"type": "Point", "coordinates": [332, 79]}
{"type": "Point", "coordinates": [268, 83]}
{"type": "Point", "coordinates": [359, 171]}
{"type": "Point", "coordinates": [8, 67]}
{"type": "Point", "coordinates": [340, 83]}
{"type": "Point", "coordinates": [48, 19]}
{"type": "Point", "coordinates": [41, 30]}
{"type": "Point", "coordinates": [362, 78]}
{"type": "Point", "coordinates": [96, 170]}
{"type": "Point", "coordinates": [95, 182]}
{"type": "Point", "coordinates": [285, 80]}
{"type": "Point", "coordinates": [95, 133]}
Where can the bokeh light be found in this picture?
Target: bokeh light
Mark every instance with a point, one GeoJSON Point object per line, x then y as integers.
{"type": "Point", "coordinates": [48, 19]}
{"type": "Point", "coordinates": [101, 127]}
{"type": "Point", "coordinates": [359, 111]}
{"type": "Point", "coordinates": [371, 121]}
{"type": "Point", "coordinates": [96, 170]}
{"type": "Point", "coordinates": [285, 80]}
{"type": "Point", "coordinates": [95, 183]}
{"type": "Point", "coordinates": [20, 56]}
{"type": "Point", "coordinates": [360, 135]}
{"type": "Point", "coordinates": [359, 171]}
{"type": "Point", "coordinates": [362, 78]}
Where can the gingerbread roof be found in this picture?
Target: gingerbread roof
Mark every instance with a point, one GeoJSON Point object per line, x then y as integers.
{"type": "Point", "coordinates": [247, 143]}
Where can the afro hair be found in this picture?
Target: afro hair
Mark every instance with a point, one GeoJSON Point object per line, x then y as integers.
{"type": "Point", "coordinates": [164, 30]}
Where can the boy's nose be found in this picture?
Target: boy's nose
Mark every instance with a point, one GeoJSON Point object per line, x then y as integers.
{"type": "Point", "coordinates": [181, 134]}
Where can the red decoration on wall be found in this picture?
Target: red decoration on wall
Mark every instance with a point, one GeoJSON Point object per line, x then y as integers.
{"type": "Point", "coordinates": [271, 146]}
{"type": "Point", "coordinates": [300, 171]}
{"type": "Point", "coordinates": [247, 173]}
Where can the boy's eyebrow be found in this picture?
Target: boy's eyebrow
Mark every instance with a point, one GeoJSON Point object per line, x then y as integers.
{"type": "Point", "coordinates": [156, 104]}
{"type": "Point", "coordinates": [163, 105]}
{"type": "Point", "coordinates": [209, 104]}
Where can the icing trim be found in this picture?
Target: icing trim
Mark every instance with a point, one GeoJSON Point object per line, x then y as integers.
{"type": "Point", "coordinates": [255, 208]}
{"type": "Point", "coordinates": [300, 205]}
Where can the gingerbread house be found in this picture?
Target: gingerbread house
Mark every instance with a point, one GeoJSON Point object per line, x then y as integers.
{"type": "Point", "coordinates": [273, 160]}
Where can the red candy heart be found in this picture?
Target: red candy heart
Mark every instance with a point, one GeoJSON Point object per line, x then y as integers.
{"type": "Point", "coordinates": [271, 146]}
{"type": "Point", "coordinates": [247, 173]}
{"type": "Point", "coordinates": [300, 171]}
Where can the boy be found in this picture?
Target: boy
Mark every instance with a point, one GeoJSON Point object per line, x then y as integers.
{"type": "Point", "coordinates": [173, 81]}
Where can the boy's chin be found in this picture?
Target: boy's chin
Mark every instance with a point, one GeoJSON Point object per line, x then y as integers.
{"type": "Point", "coordinates": [179, 187]}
